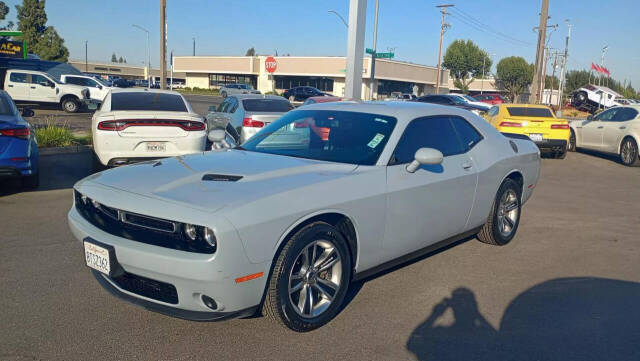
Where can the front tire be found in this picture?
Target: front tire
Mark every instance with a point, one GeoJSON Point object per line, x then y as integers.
{"type": "Point", "coordinates": [503, 221]}
{"type": "Point", "coordinates": [629, 152]}
{"type": "Point", "coordinates": [69, 105]}
{"type": "Point", "coordinates": [309, 279]}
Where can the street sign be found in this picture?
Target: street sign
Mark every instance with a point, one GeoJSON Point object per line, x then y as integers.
{"type": "Point", "coordinates": [270, 64]}
{"type": "Point", "coordinates": [369, 51]}
{"type": "Point", "coordinates": [385, 55]}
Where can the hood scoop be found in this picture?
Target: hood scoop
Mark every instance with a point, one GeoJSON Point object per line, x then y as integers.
{"type": "Point", "coordinates": [221, 177]}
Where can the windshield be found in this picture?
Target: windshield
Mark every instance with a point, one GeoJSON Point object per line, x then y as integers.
{"type": "Point", "coordinates": [327, 135]}
{"type": "Point", "coordinates": [469, 98]}
{"type": "Point", "coordinates": [147, 101]}
{"type": "Point", "coordinates": [458, 100]}
{"type": "Point", "coordinates": [100, 81]}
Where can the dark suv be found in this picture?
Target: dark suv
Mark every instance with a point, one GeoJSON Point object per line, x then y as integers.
{"type": "Point", "coordinates": [301, 93]}
{"type": "Point", "coordinates": [452, 101]}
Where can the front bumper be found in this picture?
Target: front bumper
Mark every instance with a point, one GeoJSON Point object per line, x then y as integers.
{"type": "Point", "coordinates": [192, 274]}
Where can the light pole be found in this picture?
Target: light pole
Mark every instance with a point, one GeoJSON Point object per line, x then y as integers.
{"type": "Point", "coordinates": [340, 16]}
{"type": "Point", "coordinates": [194, 46]}
{"type": "Point", "coordinates": [564, 67]}
{"type": "Point", "coordinates": [148, 52]}
{"type": "Point", "coordinates": [373, 54]}
{"type": "Point", "coordinates": [483, 67]}
{"type": "Point", "coordinates": [86, 57]}
{"type": "Point", "coordinates": [604, 50]}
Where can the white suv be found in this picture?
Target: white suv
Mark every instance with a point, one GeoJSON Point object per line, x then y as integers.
{"type": "Point", "coordinates": [98, 90]}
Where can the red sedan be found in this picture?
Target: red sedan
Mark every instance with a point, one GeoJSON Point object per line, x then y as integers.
{"type": "Point", "coordinates": [492, 99]}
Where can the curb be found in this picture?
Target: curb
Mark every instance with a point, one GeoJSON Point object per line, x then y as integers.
{"type": "Point", "coordinates": [65, 150]}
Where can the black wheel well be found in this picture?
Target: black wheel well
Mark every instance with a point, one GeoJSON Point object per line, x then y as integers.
{"type": "Point", "coordinates": [341, 222]}
{"type": "Point", "coordinates": [68, 96]}
{"type": "Point", "coordinates": [517, 177]}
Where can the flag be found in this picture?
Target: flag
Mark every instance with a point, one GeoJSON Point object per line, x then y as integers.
{"type": "Point", "coordinates": [594, 67]}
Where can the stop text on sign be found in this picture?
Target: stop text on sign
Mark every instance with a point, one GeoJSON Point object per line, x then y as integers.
{"type": "Point", "coordinates": [270, 64]}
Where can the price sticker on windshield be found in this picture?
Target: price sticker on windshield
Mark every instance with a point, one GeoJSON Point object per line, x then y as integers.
{"type": "Point", "coordinates": [376, 140]}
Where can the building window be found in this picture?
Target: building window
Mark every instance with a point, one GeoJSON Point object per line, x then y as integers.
{"type": "Point", "coordinates": [288, 82]}
{"type": "Point", "coordinates": [219, 80]}
{"type": "Point", "coordinates": [389, 86]}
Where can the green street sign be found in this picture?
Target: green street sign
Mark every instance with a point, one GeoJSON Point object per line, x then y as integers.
{"type": "Point", "coordinates": [385, 55]}
{"type": "Point", "coordinates": [369, 51]}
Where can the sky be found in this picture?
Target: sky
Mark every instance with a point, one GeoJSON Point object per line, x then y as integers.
{"type": "Point", "coordinates": [306, 28]}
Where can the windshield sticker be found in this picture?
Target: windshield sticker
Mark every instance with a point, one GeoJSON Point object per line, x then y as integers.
{"type": "Point", "coordinates": [380, 120]}
{"type": "Point", "coordinates": [376, 140]}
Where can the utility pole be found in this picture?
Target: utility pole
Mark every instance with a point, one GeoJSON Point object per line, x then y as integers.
{"type": "Point", "coordinates": [194, 46]}
{"type": "Point", "coordinates": [604, 50]}
{"type": "Point", "coordinates": [442, 27]}
{"type": "Point", "coordinates": [163, 44]}
{"type": "Point", "coordinates": [538, 73]}
{"type": "Point", "coordinates": [564, 67]}
{"type": "Point", "coordinates": [373, 55]}
{"type": "Point", "coordinates": [553, 75]}
{"type": "Point", "coordinates": [86, 57]}
{"type": "Point", "coordinates": [355, 49]}
{"type": "Point", "coordinates": [171, 69]}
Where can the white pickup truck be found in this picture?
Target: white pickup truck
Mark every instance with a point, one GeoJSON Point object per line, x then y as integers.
{"type": "Point", "coordinates": [97, 88]}
{"type": "Point", "coordinates": [36, 87]}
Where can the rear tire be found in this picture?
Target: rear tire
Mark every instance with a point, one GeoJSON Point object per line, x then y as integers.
{"type": "Point", "coordinates": [70, 105]}
{"type": "Point", "coordinates": [503, 221]}
{"type": "Point", "coordinates": [301, 276]}
{"type": "Point", "coordinates": [31, 181]}
{"type": "Point", "coordinates": [629, 152]}
{"type": "Point", "coordinates": [571, 147]}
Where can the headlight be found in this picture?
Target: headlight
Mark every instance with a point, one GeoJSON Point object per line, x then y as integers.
{"type": "Point", "coordinates": [209, 237]}
{"type": "Point", "coordinates": [193, 233]}
{"type": "Point", "coordinates": [190, 231]}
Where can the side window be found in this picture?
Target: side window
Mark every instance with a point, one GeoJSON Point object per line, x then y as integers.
{"type": "Point", "coordinates": [427, 132]}
{"type": "Point", "coordinates": [223, 106]}
{"type": "Point", "coordinates": [233, 105]}
{"type": "Point", "coordinates": [39, 79]}
{"type": "Point", "coordinates": [607, 115]}
{"type": "Point", "coordinates": [625, 114]}
{"type": "Point", "coordinates": [493, 111]}
{"type": "Point", "coordinates": [18, 77]}
{"type": "Point", "coordinates": [469, 136]}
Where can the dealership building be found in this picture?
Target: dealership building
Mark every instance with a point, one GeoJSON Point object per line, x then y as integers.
{"type": "Point", "coordinates": [326, 73]}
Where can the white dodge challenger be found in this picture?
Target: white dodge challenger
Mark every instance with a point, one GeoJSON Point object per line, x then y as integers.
{"type": "Point", "coordinates": [282, 224]}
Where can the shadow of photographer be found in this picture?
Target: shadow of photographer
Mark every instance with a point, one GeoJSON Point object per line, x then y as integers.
{"type": "Point", "coordinates": [567, 318]}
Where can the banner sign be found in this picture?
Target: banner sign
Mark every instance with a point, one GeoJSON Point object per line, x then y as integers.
{"type": "Point", "coordinates": [11, 49]}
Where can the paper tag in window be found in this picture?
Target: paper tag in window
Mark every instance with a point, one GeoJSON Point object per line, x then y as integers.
{"type": "Point", "coordinates": [376, 140]}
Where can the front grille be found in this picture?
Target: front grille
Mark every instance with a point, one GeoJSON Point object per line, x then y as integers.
{"type": "Point", "coordinates": [147, 287]}
{"type": "Point", "coordinates": [139, 228]}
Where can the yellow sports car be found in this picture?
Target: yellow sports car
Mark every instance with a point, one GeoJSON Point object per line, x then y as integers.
{"type": "Point", "coordinates": [538, 122]}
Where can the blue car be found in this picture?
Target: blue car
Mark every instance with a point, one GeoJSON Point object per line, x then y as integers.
{"type": "Point", "coordinates": [18, 146]}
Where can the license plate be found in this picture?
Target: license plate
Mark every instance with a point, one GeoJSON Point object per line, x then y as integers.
{"type": "Point", "coordinates": [97, 257]}
{"type": "Point", "coordinates": [536, 137]}
{"type": "Point", "coordinates": [156, 147]}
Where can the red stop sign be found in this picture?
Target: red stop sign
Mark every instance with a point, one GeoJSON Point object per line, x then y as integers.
{"type": "Point", "coordinates": [270, 64]}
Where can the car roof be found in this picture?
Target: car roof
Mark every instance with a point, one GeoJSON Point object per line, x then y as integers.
{"type": "Point", "coordinates": [142, 90]}
{"type": "Point", "coordinates": [256, 96]}
{"type": "Point", "coordinates": [403, 111]}
{"type": "Point", "coordinates": [522, 105]}
{"type": "Point", "coordinates": [323, 99]}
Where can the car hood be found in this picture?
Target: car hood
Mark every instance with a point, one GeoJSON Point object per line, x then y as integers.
{"type": "Point", "coordinates": [212, 180]}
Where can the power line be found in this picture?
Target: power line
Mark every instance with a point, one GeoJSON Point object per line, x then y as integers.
{"type": "Point", "coordinates": [488, 28]}
{"type": "Point", "coordinates": [480, 29]}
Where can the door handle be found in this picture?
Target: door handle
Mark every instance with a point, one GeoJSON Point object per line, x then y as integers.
{"type": "Point", "coordinates": [10, 86]}
{"type": "Point", "coordinates": [600, 127]}
{"type": "Point", "coordinates": [622, 127]}
{"type": "Point", "coordinates": [466, 166]}
{"type": "Point", "coordinates": [33, 87]}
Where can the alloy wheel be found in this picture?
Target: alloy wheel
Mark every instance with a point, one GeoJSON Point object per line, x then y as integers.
{"type": "Point", "coordinates": [508, 213]}
{"type": "Point", "coordinates": [314, 278]}
{"type": "Point", "coordinates": [628, 152]}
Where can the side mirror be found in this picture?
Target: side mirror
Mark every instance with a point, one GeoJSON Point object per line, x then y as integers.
{"type": "Point", "coordinates": [52, 85]}
{"type": "Point", "coordinates": [590, 117]}
{"type": "Point", "coordinates": [425, 156]}
{"type": "Point", "coordinates": [27, 112]}
{"type": "Point", "coordinates": [99, 86]}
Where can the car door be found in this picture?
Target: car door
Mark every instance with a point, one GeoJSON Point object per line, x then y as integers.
{"type": "Point", "coordinates": [18, 86]}
{"type": "Point", "coordinates": [591, 131]}
{"type": "Point", "coordinates": [616, 128]}
{"type": "Point", "coordinates": [434, 202]}
{"type": "Point", "coordinates": [42, 89]}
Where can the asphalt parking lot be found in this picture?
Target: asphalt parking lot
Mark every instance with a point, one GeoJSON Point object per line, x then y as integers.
{"type": "Point", "coordinates": [567, 287]}
{"type": "Point", "coordinates": [81, 122]}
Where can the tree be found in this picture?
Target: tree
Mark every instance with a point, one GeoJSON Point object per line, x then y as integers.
{"type": "Point", "coordinates": [44, 40]}
{"type": "Point", "coordinates": [514, 75]}
{"type": "Point", "coordinates": [120, 60]}
{"type": "Point", "coordinates": [4, 10]}
{"type": "Point", "coordinates": [250, 52]}
{"type": "Point", "coordinates": [114, 58]}
{"type": "Point", "coordinates": [464, 59]}
{"type": "Point", "coordinates": [551, 81]}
